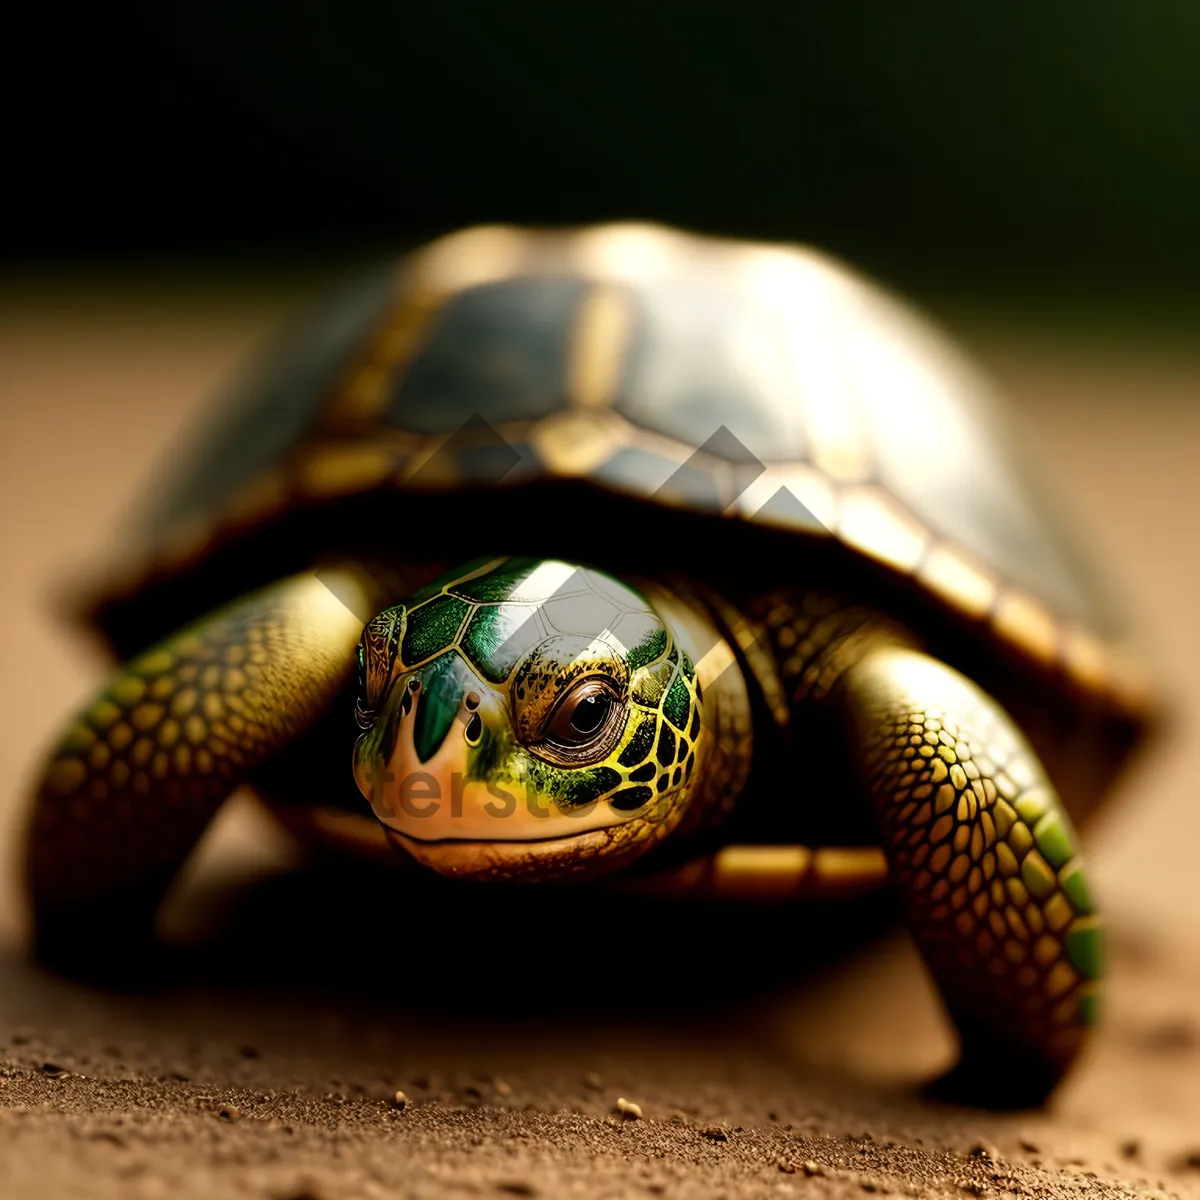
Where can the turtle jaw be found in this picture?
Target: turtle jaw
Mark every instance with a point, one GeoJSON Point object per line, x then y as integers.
{"type": "Point", "coordinates": [576, 856]}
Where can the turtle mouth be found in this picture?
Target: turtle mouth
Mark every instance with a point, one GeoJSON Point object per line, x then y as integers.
{"type": "Point", "coordinates": [448, 840]}
{"type": "Point", "coordinates": [565, 854]}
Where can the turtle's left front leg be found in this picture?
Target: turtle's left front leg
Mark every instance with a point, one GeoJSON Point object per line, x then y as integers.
{"type": "Point", "coordinates": [987, 867]}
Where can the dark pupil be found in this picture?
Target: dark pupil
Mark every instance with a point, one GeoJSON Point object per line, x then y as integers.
{"type": "Point", "coordinates": [588, 714]}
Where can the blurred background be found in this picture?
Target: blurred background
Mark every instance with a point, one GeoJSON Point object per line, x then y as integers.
{"type": "Point", "coordinates": [181, 177]}
{"type": "Point", "coordinates": [1046, 153]}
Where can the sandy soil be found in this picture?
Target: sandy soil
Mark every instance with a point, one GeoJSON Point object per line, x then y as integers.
{"type": "Point", "coordinates": [264, 1055]}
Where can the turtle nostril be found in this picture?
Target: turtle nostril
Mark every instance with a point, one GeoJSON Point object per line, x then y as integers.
{"type": "Point", "coordinates": [414, 686]}
{"type": "Point", "coordinates": [471, 701]}
{"type": "Point", "coordinates": [474, 730]}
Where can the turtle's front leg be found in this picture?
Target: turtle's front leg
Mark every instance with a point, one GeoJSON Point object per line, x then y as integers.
{"type": "Point", "coordinates": [987, 867]}
{"type": "Point", "coordinates": [142, 769]}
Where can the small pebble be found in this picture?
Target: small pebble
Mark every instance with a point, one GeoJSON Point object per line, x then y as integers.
{"type": "Point", "coordinates": [628, 1109]}
{"type": "Point", "coordinates": [229, 1112]}
{"type": "Point", "coordinates": [1029, 1147]}
{"type": "Point", "coordinates": [592, 1080]}
{"type": "Point", "coordinates": [983, 1150]}
{"type": "Point", "coordinates": [502, 1086]}
{"type": "Point", "coordinates": [812, 1168]}
{"type": "Point", "coordinates": [787, 1168]}
{"type": "Point", "coordinates": [399, 1102]}
{"type": "Point", "coordinates": [1130, 1148]}
{"type": "Point", "coordinates": [714, 1134]}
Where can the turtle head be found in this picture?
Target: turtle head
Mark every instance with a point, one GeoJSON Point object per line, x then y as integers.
{"type": "Point", "coordinates": [529, 719]}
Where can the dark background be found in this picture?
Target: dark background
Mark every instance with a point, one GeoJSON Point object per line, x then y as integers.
{"type": "Point", "coordinates": [1037, 149]}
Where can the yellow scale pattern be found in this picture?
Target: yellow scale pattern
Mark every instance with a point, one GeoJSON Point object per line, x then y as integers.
{"type": "Point", "coordinates": [968, 818]}
{"type": "Point", "coordinates": [141, 770]}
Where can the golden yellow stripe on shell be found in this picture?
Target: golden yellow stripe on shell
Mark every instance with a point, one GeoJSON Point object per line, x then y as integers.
{"type": "Point", "coordinates": [575, 442]}
{"type": "Point", "coordinates": [475, 256]}
{"type": "Point", "coordinates": [1085, 658]}
{"type": "Point", "coordinates": [599, 339]}
{"type": "Point", "coordinates": [1027, 623]}
{"type": "Point", "coordinates": [947, 573]}
{"type": "Point", "coordinates": [869, 521]}
{"type": "Point", "coordinates": [331, 470]}
{"type": "Point", "coordinates": [367, 386]}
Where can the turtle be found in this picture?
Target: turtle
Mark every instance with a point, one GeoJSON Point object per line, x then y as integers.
{"type": "Point", "coordinates": [622, 556]}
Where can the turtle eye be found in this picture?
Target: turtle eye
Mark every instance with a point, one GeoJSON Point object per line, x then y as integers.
{"type": "Point", "coordinates": [583, 715]}
{"type": "Point", "coordinates": [588, 714]}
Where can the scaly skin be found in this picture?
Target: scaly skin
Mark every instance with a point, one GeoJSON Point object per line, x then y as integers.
{"type": "Point", "coordinates": [465, 684]}
{"type": "Point", "coordinates": [978, 843]}
{"type": "Point", "coordinates": [987, 867]}
{"type": "Point", "coordinates": [143, 768]}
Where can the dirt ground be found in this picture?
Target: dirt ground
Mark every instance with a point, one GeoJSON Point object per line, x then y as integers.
{"type": "Point", "coordinates": [264, 1055]}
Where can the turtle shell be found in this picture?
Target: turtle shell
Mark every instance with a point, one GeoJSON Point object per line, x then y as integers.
{"type": "Point", "coordinates": [629, 393]}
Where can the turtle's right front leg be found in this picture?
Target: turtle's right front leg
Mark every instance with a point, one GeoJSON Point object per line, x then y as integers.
{"type": "Point", "coordinates": [142, 769]}
{"type": "Point", "coordinates": [987, 867]}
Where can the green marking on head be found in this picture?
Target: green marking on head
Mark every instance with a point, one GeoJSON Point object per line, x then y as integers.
{"type": "Point", "coordinates": [677, 704]}
{"type": "Point", "coordinates": [543, 701]}
{"type": "Point", "coordinates": [651, 646]}
{"type": "Point", "coordinates": [442, 686]}
{"type": "Point", "coordinates": [432, 627]}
